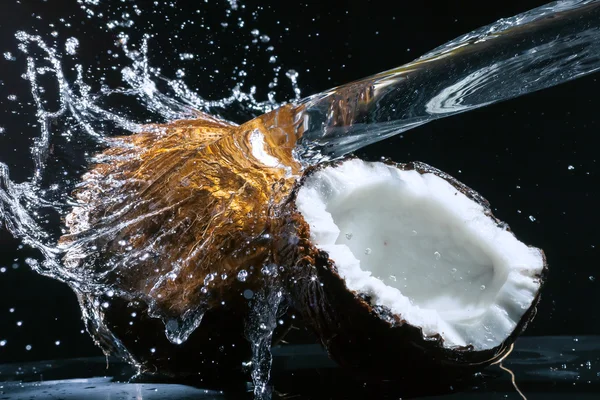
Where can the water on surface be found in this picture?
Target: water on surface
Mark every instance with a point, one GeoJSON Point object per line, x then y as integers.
{"type": "Point", "coordinates": [549, 367]}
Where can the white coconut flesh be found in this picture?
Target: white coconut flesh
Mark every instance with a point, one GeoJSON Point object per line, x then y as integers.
{"type": "Point", "coordinates": [415, 244]}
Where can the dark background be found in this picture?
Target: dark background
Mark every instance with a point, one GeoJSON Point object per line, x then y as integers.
{"type": "Point", "coordinates": [533, 156]}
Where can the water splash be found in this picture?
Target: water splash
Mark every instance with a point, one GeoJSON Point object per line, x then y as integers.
{"type": "Point", "coordinates": [84, 115]}
{"type": "Point", "coordinates": [88, 115]}
{"type": "Point", "coordinates": [78, 116]}
{"type": "Point", "coordinates": [265, 308]}
{"type": "Point", "coordinates": [534, 50]}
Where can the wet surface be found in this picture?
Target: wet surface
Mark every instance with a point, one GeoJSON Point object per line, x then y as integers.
{"type": "Point", "coordinates": [553, 367]}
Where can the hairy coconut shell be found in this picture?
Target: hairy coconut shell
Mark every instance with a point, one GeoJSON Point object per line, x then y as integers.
{"type": "Point", "coordinates": [174, 223]}
{"type": "Point", "coordinates": [368, 339]}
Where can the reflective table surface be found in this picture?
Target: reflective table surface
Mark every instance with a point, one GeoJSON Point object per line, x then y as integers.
{"type": "Point", "coordinates": [549, 367]}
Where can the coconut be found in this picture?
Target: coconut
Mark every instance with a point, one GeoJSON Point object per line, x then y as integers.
{"type": "Point", "coordinates": [402, 270]}
{"type": "Point", "coordinates": [184, 237]}
{"type": "Point", "coordinates": [168, 246]}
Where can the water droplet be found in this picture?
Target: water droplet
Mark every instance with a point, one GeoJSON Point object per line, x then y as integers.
{"type": "Point", "coordinates": [248, 294]}
{"type": "Point", "coordinates": [437, 255]}
{"type": "Point", "coordinates": [152, 350]}
{"type": "Point", "coordinates": [57, 343]}
{"type": "Point", "coordinates": [3, 269]}
{"type": "Point", "coordinates": [208, 279]}
{"type": "Point", "coordinates": [349, 235]}
{"type": "Point", "coordinates": [28, 347]}
{"type": "Point", "coordinates": [269, 270]}
{"type": "Point", "coordinates": [19, 323]}
{"type": "Point", "coordinates": [11, 310]}
{"type": "Point", "coordinates": [453, 270]}
{"type": "Point", "coordinates": [292, 74]}
{"type": "Point", "coordinates": [414, 233]}
{"type": "Point", "coordinates": [71, 45]}
{"type": "Point", "coordinates": [368, 251]}
{"type": "Point", "coordinates": [242, 275]}
{"type": "Point", "coordinates": [2, 343]}
{"type": "Point", "coordinates": [186, 56]}
{"type": "Point", "coordinates": [482, 287]}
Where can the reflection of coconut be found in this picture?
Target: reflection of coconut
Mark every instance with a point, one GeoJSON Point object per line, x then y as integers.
{"type": "Point", "coordinates": [401, 262]}
{"type": "Point", "coordinates": [171, 238]}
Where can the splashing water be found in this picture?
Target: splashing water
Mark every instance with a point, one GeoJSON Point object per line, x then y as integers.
{"type": "Point", "coordinates": [89, 116]}
{"type": "Point", "coordinates": [534, 50]}
{"type": "Point", "coordinates": [81, 116]}
{"type": "Point", "coordinates": [265, 312]}
{"type": "Point", "coordinates": [82, 122]}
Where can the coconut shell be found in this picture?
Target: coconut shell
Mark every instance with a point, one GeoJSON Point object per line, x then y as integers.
{"type": "Point", "coordinates": [370, 340]}
{"type": "Point", "coordinates": [174, 224]}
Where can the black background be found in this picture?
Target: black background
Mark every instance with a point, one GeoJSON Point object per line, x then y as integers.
{"type": "Point", "coordinates": [516, 154]}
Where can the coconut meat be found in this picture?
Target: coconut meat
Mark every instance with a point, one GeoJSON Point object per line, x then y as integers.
{"type": "Point", "coordinates": [415, 244]}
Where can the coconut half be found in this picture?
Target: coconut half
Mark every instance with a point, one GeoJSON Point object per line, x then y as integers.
{"type": "Point", "coordinates": [398, 260]}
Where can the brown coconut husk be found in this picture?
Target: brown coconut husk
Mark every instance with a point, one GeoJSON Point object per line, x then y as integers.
{"type": "Point", "coordinates": [159, 212]}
